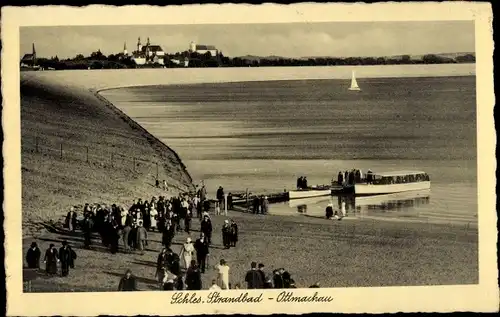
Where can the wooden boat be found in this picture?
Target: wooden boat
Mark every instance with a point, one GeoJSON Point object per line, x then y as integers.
{"type": "Point", "coordinates": [393, 182]}
{"type": "Point", "coordinates": [354, 83]}
{"type": "Point", "coordinates": [315, 191]}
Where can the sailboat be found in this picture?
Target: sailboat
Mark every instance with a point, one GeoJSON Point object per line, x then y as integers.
{"type": "Point", "coordinates": [354, 83]}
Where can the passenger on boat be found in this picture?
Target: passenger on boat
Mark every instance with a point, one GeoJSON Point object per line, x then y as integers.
{"type": "Point", "coordinates": [299, 182]}
{"type": "Point", "coordinates": [357, 175]}
{"type": "Point", "coordinates": [340, 179]}
{"type": "Point", "coordinates": [369, 177]}
{"type": "Point", "coordinates": [304, 183]}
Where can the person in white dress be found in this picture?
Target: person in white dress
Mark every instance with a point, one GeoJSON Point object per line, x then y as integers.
{"type": "Point", "coordinates": [187, 253]}
{"type": "Point", "coordinates": [223, 274]}
{"type": "Point", "coordinates": [152, 214]}
{"type": "Point", "coordinates": [217, 208]}
{"type": "Point", "coordinates": [342, 209]}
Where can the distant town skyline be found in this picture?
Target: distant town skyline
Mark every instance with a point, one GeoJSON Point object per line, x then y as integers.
{"type": "Point", "coordinates": [339, 39]}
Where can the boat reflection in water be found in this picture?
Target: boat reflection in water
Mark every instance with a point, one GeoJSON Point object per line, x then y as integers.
{"type": "Point", "coordinates": [392, 205]}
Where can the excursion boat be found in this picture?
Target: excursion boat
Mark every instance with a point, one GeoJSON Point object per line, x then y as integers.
{"type": "Point", "coordinates": [315, 191]}
{"type": "Point", "coordinates": [393, 182]}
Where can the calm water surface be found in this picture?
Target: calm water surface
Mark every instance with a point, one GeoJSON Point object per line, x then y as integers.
{"type": "Point", "coordinates": [263, 135]}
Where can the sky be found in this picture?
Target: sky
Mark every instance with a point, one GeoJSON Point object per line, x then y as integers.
{"type": "Point", "coordinates": [342, 39]}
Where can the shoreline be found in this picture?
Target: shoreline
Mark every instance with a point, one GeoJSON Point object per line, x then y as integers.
{"type": "Point", "coordinates": [110, 79]}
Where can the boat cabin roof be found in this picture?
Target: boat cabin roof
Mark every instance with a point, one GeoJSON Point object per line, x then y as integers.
{"type": "Point", "coordinates": [399, 173]}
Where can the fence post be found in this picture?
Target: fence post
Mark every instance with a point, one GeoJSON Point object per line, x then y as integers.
{"type": "Point", "coordinates": [225, 204]}
{"type": "Point", "coordinates": [61, 151]}
{"type": "Point", "coordinates": [134, 164]}
{"type": "Point", "coordinates": [248, 206]}
{"type": "Point", "coordinates": [87, 156]}
{"type": "Point", "coordinates": [112, 164]}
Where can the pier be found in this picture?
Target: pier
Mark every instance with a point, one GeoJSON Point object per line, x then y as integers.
{"type": "Point", "coordinates": [245, 199]}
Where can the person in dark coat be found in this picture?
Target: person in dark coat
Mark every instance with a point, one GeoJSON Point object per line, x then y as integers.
{"type": "Point", "coordinates": [254, 278]}
{"type": "Point", "coordinates": [256, 205]}
{"type": "Point", "coordinates": [132, 237]}
{"type": "Point", "coordinates": [168, 234]}
{"type": "Point", "coordinates": [220, 196]}
{"type": "Point", "coordinates": [226, 234]}
{"type": "Point", "coordinates": [187, 221]}
{"type": "Point", "coordinates": [234, 233]}
{"type": "Point", "coordinates": [299, 182]}
{"type": "Point", "coordinates": [206, 228]}
{"type": "Point", "coordinates": [193, 277]}
{"type": "Point", "coordinates": [51, 259]}
{"type": "Point", "coordinates": [33, 256]}
{"type": "Point", "coordinates": [278, 279]}
{"type": "Point", "coordinates": [262, 274]}
{"type": "Point", "coordinates": [67, 257]}
{"type": "Point", "coordinates": [340, 179]}
{"type": "Point", "coordinates": [329, 211]}
{"type": "Point", "coordinates": [286, 278]}
{"type": "Point", "coordinates": [127, 283]}
{"type": "Point", "coordinates": [202, 251]}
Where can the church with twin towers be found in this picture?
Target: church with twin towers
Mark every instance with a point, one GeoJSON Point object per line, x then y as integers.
{"type": "Point", "coordinates": [153, 53]}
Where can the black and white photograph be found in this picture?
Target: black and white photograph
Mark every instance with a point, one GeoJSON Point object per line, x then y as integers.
{"type": "Point", "coordinates": [235, 163]}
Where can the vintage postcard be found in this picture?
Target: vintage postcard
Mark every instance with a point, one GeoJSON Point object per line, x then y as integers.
{"type": "Point", "coordinates": [250, 159]}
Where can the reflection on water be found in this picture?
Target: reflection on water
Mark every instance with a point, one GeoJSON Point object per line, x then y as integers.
{"type": "Point", "coordinates": [389, 206]}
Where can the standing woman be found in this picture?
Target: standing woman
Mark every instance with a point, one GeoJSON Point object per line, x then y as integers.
{"type": "Point", "coordinates": [234, 233]}
{"type": "Point", "coordinates": [187, 253]}
{"type": "Point", "coordinates": [153, 216]}
{"type": "Point", "coordinates": [51, 259]}
{"type": "Point", "coordinates": [33, 256]}
{"type": "Point", "coordinates": [160, 266]}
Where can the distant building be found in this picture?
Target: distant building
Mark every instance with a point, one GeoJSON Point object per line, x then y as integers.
{"type": "Point", "coordinates": [203, 49]}
{"type": "Point", "coordinates": [183, 61]}
{"type": "Point", "coordinates": [148, 54]}
{"type": "Point", "coordinates": [29, 60]}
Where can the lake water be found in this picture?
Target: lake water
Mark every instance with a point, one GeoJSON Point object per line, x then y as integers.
{"type": "Point", "coordinates": [263, 135]}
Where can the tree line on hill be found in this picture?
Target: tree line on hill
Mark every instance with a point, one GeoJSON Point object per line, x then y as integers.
{"type": "Point", "coordinates": [97, 60]}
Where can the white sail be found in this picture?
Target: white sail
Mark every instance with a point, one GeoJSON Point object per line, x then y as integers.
{"type": "Point", "coordinates": [354, 83]}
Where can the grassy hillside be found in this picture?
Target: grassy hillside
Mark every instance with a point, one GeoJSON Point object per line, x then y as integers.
{"type": "Point", "coordinates": [100, 147]}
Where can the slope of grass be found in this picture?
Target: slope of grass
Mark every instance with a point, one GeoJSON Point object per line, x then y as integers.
{"type": "Point", "coordinates": [100, 147]}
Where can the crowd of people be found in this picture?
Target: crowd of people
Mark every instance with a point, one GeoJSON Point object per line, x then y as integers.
{"type": "Point", "coordinates": [172, 276]}
{"type": "Point", "coordinates": [353, 176]}
{"type": "Point", "coordinates": [128, 230]}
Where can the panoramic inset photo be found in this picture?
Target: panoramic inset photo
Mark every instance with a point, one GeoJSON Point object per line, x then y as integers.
{"type": "Point", "coordinates": [249, 156]}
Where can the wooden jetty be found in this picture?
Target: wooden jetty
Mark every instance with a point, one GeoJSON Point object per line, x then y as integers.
{"type": "Point", "coordinates": [246, 198]}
